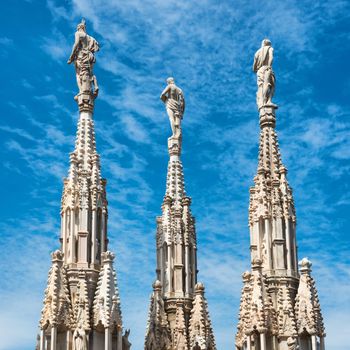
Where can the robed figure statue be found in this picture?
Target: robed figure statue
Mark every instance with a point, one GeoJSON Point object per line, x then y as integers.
{"type": "Point", "coordinates": [83, 57]}
{"type": "Point", "coordinates": [79, 339]}
{"type": "Point", "coordinates": [265, 76]}
{"type": "Point", "coordinates": [174, 101]}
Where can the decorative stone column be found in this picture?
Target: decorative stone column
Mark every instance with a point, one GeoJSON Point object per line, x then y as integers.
{"type": "Point", "coordinates": [42, 339]}
{"type": "Point", "coordinates": [249, 343]}
{"type": "Point", "coordinates": [93, 236]}
{"type": "Point", "coordinates": [322, 345]}
{"type": "Point", "coordinates": [187, 270]}
{"type": "Point", "coordinates": [107, 339]}
{"type": "Point", "coordinates": [53, 337]}
{"type": "Point", "coordinates": [288, 244]}
{"type": "Point", "coordinates": [120, 338]}
{"type": "Point", "coordinates": [268, 243]}
{"type": "Point", "coordinates": [262, 341]}
{"type": "Point", "coordinates": [69, 340]}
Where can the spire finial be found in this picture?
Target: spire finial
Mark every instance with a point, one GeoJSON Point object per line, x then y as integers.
{"type": "Point", "coordinates": [84, 59]}
{"type": "Point", "coordinates": [305, 266]}
{"type": "Point", "coordinates": [174, 101]}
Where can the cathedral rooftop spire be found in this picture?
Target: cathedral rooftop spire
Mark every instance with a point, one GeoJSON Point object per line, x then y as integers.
{"type": "Point", "coordinates": [81, 305]}
{"type": "Point", "coordinates": [174, 292]}
{"type": "Point", "coordinates": [270, 313]}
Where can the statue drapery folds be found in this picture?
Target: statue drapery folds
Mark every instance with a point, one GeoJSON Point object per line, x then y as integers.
{"type": "Point", "coordinates": [262, 66]}
{"type": "Point", "coordinates": [79, 339]}
{"type": "Point", "coordinates": [174, 101]}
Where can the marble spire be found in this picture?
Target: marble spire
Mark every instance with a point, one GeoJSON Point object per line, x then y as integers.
{"type": "Point", "coordinates": [82, 306]}
{"type": "Point", "coordinates": [270, 315]}
{"type": "Point", "coordinates": [176, 292]}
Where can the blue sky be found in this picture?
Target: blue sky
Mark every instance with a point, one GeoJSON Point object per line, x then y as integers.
{"type": "Point", "coordinates": [208, 46]}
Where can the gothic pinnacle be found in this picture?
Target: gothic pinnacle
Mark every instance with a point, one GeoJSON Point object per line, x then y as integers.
{"type": "Point", "coordinates": [82, 305]}
{"type": "Point", "coordinates": [270, 313]}
{"type": "Point", "coordinates": [176, 295]}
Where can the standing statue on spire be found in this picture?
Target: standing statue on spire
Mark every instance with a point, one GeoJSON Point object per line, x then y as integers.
{"type": "Point", "coordinates": [265, 76]}
{"type": "Point", "coordinates": [83, 57]}
{"type": "Point", "coordinates": [174, 101]}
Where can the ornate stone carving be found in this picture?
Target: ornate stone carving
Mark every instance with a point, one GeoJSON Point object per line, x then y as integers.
{"type": "Point", "coordinates": [180, 332]}
{"type": "Point", "coordinates": [106, 307]}
{"type": "Point", "coordinates": [174, 101]}
{"type": "Point", "coordinates": [200, 330]}
{"type": "Point", "coordinates": [265, 76]}
{"type": "Point", "coordinates": [243, 318]}
{"type": "Point", "coordinates": [286, 317]}
{"type": "Point", "coordinates": [292, 343]}
{"type": "Point", "coordinates": [81, 304]}
{"type": "Point", "coordinates": [158, 335]}
{"type": "Point", "coordinates": [307, 306]}
{"type": "Point", "coordinates": [57, 304]}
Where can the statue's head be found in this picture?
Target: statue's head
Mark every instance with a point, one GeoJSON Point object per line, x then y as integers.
{"type": "Point", "coordinates": [82, 25]}
{"type": "Point", "coordinates": [170, 80]}
{"type": "Point", "coordinates": [266, 42]}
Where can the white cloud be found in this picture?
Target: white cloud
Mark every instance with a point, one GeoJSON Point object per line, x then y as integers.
{"type": "Point", "coordinates": [5, 41]}
{"type": "Point", "coordinates": [56, 46]}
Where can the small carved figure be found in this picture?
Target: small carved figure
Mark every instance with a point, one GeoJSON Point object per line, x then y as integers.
{"type": "Point", "coordinates": [126, 343]}
{"type": "Point", "coordinates": [292, 343]}
{"type": "Point", "coordinates": [98, 249]}
{"type": "Point", "coordinates": [264, 252]}
{"type": "Point", "coordinates": [83, 57]}
{"type": "Point", "coordinates": [79, 339]}
{"type": "Point", "coordinates": [166, 284]}
{"type": "Point", "coordinates": [265, 76]}
{"type": "Point", "coordinates": [174, 101]}
{"type": "Point", "coordinates": [196, 346]}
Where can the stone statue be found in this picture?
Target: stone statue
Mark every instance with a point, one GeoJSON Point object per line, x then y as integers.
{"type": "Point", "coordinates": [126, 343]}
{"type": "Point", "coordinates": [83, 57]}
{"type": "Point", "coordinates": [79, 339]}
{"type": "Point", "coordinates": [174, 101]}
{"type": "Point", "coordinates": [265, 76]}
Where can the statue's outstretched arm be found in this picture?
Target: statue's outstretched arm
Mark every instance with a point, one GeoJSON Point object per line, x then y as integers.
{"type": "Point", "coordinates": [270, 57]}
{"type": "Point", "coordinates": [163, 95]}
{"type": "Point", "coordinates": [74, 49]}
